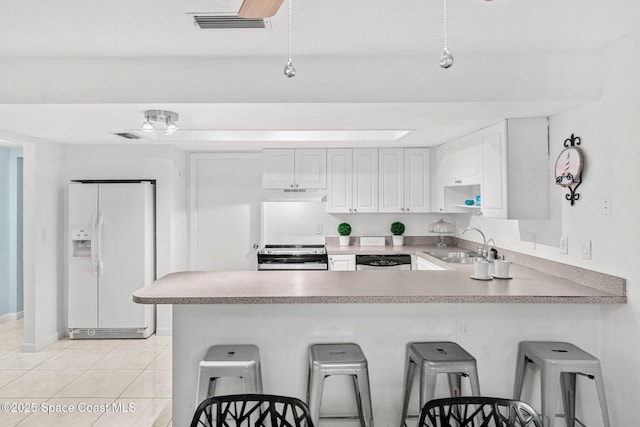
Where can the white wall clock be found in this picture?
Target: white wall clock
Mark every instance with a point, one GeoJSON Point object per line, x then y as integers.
{"type": "Point", "coordinates": [569, 167]}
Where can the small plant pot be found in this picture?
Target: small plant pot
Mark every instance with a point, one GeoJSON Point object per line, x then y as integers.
{"type": "Point", "coordinates": [397, 240]}
{"type": "Point", "coordinates": [344, 240]}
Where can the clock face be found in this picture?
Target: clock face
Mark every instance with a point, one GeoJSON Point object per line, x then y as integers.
{"type": "Point", "coordinates": [569, 166]}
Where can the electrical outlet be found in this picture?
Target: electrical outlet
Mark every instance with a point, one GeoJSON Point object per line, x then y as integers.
{"type": "Point", "coordinates": [586, 249]}
{"type": "Point", "coordinates": [318, 228]}
{"type": "Point", "coordinates": [532, 240]}
{"type": "Point", "coordinates": [564, 245]}
{"type": "Point", "coordinates": [606, 205]}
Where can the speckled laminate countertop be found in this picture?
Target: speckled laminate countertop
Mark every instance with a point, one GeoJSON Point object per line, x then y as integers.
{"type": "Point", "coordinates": [453, 285]}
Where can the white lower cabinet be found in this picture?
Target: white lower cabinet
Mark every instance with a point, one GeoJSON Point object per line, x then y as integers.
{"type": "Point", "coordinates": [342, 262]}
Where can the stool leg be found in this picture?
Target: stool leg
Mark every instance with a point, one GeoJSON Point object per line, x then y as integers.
{"type": "Point", "coordinates": [314, 395]}
{"type": "Point", "coordinates": [455, 384]}
{"type": "Point", "coordinates": [568, 387]}
{"type": "Point", "coordinates": [251, 381]}
{"type": "Point", "coordinates": [363, 397]}
{"type": "Point", "coordinates": [428, 378]}
{"type": "Point", "coordinates": [475, 382]}
{"type": "Point", "coordinates": [521, 369]}
{"type": "Point", "coordinates": [550, 390]}
{"type": "Point", "coordinates": [410, 369]}
{"type": "Point", "coordinates": [203, 387]}
{"type": "Point", "coordinates": [259, 379]}
{"type": "Point", "coordinates": [597, 373]}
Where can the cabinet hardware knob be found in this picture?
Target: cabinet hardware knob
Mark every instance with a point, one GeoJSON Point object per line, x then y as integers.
{"type": "Point", "coordinates": [401, 209]}
{"type": "Point", "coordinates": [255, 246]}
{"type": "Point", "coordinates": [291, 185]}
{"type": "Point", "coordinates": [296, 185]}
{"type": "Point", "coordinates": [407, 209]}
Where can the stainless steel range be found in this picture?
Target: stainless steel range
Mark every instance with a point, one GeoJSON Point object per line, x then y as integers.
{"type": "Point", "coordinates": [293, 257]}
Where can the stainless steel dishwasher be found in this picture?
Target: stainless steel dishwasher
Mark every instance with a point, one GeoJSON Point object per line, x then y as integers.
{"type": "Point", "coordinates": [383, 262]}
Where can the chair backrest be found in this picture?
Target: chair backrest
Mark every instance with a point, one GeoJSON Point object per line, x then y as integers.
{"type": "Point", "coordinates": [478, 411]}
{"type": "Point", "coordinates": [252, 410]}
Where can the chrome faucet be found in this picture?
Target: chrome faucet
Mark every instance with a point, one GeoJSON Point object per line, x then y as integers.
{"type": "Point", "coordinates": [492, 254]}
{"type": "Point", "coordinates": [484, 239]}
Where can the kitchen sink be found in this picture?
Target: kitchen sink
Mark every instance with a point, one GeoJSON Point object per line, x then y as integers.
{"type": "Point", "coordinates": [455, 257]}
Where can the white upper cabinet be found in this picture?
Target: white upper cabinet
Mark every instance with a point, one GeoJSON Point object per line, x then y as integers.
{"type": "Point", "coordinates": [515, 169]}
{"type": "Point", "coordinates": [391, 179]}
{"type": "Point", "coordinates": [290, 168]}
{"type": "Point", "coordinates": [417, 180]}
{"type": "Point", "coordinates": [340, 180]}
{"type": "Point", "coordinates": [403, 175]}
{"type": "Point", "coordinates": [506, 164]}
{"type": "Point", "coordinates": [365, 180]}
{"type": "Point", "coordinates": [352, 180]}
{"type": "Point", "coordinates": [462, 161]}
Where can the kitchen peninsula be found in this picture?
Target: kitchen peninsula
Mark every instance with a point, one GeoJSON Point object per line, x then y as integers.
{"type": "Point", "coordinates": [284, 312]}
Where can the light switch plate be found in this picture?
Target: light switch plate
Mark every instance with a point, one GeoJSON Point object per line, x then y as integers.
{"type": "Point", "coordinates": [606, 205]}
{"type": "Point", "coordinates": [564, 245]}
{"type": "Point", "coordinates": [586, 249]}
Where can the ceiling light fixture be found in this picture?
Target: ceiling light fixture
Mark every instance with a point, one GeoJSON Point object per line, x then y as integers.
{"type": "Point", "coordinates": [289, 70]}
{"type": "Point", "coordinates": [446, 59]}
{"type": "Point", "coordinates": [160, 120]}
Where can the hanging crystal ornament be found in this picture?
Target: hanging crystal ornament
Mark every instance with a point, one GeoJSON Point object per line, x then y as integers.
{"type": "Point", "coordinates": [289, 70]}
{"type": "Point", "coordinates": [446, 59]}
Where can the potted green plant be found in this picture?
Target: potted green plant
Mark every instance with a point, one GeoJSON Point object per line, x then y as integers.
{"type": "Point", "coordinates": [344, 230]}
{"type": "Point", "coordinates": [397, 230]}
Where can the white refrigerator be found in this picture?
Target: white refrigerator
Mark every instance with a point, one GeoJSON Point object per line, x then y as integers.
{"type": "Point", "coordinates": [111, 254]}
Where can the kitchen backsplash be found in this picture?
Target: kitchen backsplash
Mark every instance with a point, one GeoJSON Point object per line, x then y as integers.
{"type": "Point", "coordinates": [308, 222]}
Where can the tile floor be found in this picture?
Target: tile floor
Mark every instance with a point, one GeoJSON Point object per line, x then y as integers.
{"type": "Point", "coordinates": [106, 382]}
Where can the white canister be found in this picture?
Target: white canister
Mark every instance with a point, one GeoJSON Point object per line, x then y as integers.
{"type": "Point", "coordinates": [501, 268]}
{"type": "Point", "coordinates": [481, 269]}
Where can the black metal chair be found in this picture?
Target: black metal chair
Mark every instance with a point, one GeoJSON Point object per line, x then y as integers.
{"type": "Point", "coordinates": [478, 411]}
{"type": "Point", "coordinates": [252, 410]}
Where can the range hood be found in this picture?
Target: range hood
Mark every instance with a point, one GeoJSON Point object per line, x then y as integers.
{"type": "Point", "coordinates": [294, 195]}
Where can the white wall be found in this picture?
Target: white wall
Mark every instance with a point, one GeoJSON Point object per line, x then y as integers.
{"type": "Point", "coordinates": [168, 167]}
{"type": "Point", "coordinates": [44, 318]}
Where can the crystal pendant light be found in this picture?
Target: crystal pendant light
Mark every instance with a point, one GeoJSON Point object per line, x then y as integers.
{"type": "Point", "coordinates": [289, 70]}
{"type": "Point", "coordinates": [446, 59]}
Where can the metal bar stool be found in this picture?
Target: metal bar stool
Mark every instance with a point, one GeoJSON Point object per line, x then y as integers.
{"type": "Point", "coordinates": [339, 359]}
{"type": "Point", "coordinates": [229, 361]}
{"type": "Point", "coordinates": [435, 358]}
{"type": "Point", "coordinates": [559, 362]}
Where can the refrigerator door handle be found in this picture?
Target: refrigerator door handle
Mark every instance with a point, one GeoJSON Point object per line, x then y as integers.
{"type": "Point", "coordinates": [94, 254]}
{"type": "Point", "coordinates": [99, 248]}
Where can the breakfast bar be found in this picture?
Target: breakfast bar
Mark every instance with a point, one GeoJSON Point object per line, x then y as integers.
{"type": "Point", "coordinates": [284, 312]}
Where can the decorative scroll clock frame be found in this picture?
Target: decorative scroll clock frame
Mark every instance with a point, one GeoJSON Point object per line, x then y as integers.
{"type": "Point", "coordinates": [569, 167]}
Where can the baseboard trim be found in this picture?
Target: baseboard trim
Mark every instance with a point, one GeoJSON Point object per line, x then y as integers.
{"type": "Point", "coordinates": [35, 347]}
{"type": "Point", "coordinates": [11, 316]}
{"type": "Point", "coordinates": [164, 331]}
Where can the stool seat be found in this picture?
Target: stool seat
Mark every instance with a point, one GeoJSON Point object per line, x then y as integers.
{"type": "Point", "coordinates": [435, 358]}
{"type": "Point", "coordinates": [559, 363]}
{"type": "Point", "coordinates": [339, 359]}
{"type": "Point", "coordinates": [239, 360]}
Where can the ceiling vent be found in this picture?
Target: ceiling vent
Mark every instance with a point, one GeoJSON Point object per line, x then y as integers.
{"type": "Point", "coordinates": [127, 135]}
{"type": "Point", "coordinates": [225, 22]}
